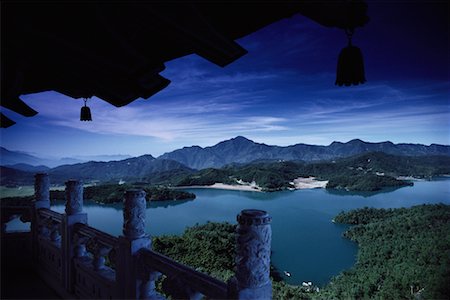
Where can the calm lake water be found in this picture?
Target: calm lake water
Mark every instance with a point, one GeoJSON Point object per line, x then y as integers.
{"type": "Point", "coordinates": [304, 240]}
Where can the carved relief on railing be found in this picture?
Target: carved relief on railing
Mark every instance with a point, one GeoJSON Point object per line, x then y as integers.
{"type": "Point", "coordinates": [252, 277]}
{"type": "Point", "coordinates": [134, 214]}
{"type": "Point", "coordinates": [74, 197]}
{"type": "Point", "coordinates": [253, 248]}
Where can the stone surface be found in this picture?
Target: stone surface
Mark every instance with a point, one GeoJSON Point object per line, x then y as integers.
{"type": "Point", "coordinates": [134, 214]}
{"type": "Point", "coordinates": [74, 197]}
{"type": "Point", "coordinates": [41, 191]}
{"type": "Point", "coordinates": [252, 278]}
{"type": "Point", "coordinates": [253, 248]}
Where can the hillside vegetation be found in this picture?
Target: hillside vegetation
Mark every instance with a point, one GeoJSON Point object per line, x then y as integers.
{"type": "Point", "coordinates": [367, 172]}
{"type": "Point", "coordinates": [403, 253]}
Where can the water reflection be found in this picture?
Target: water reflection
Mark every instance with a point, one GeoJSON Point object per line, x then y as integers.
{"type": "Point", "coordinates": [342, 192]}
{"type": "Point", "coordinates": [168, 203]}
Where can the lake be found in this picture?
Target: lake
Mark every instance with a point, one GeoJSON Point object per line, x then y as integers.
{"type": "Point", "coordinates": [305, 241]}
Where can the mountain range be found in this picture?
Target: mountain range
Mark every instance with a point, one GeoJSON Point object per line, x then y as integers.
{"type": "Point", "coordinates": [239, 150]}
{"type": "Point", "coordinates": [243, 150]}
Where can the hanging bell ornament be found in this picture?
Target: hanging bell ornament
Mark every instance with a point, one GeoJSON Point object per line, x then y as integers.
{"type": "Point", "coordinates": [350, 68]}
{"type": "Point", "coordinates": [85, 114]}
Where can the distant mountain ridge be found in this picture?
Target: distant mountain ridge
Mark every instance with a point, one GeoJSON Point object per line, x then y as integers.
{"type": "Point", "coordinates": [8, 157]}
{"type": "Point", "coordinates": [136, 168]}
{"type": "Point", "coordinates": [243, 150]}
{"type": "Point", "coordinates": [142, 168]}
{"type": "Point", "coordinates": [23, 161]}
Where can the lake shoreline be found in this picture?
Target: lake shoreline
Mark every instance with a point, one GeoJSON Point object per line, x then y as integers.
{"type": "Point", "coordinates": [298, 184]}
{"type": "Point", "coordinates": [222, 186]}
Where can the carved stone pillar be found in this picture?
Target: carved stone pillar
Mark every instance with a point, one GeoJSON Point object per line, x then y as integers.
{"type": "Point", "coordinates": [134, 214]}
{"type": "Point", "coordinates": [41, 200]}
{"type": "Point", "coordinates": [131, 283]}
{"type": "Point", "coordinates": [42, 190]}
{"type": "Point", "coordinates": [252, 278]}
{"type": "Point", "coordinates": [74, 214]}
{"type": "Point", "coordinates": [74, 197]}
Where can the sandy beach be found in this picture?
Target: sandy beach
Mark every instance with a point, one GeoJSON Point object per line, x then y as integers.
{"type": "Point", "coordinates": [309, 183]}
{"type": "Point", "coordinates": [409, 178]}
{"type": "Point", "coordinates": [222, 186]}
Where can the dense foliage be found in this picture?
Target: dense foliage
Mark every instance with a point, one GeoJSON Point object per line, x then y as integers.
{"type": "Point", "coordinates": [365, 182]}
{"type": "Point", "coordinates": [403, 253]}
{"type": "Point", "coordinates": [367, 172]}
{"type": "Point", "coordinates": [16, 201]}
{"type": "Point", "coordinates": [206, 177]}
{"type": "Point", "coordinates": [208, 248]}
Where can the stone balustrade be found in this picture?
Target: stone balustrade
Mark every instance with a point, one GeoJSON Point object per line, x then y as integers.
{"type": "Point", "coordinates": [77, 260]}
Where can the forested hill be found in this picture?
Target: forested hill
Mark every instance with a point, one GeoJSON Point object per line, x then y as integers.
{"type": "Point", "coordinates": [242, 150]}
{"type": "Point", "coordinates": [366, 172]}
{"type": "Point", "coordinates": [143, 168]}
{"type": "Point", "coordinates": [403, 253]}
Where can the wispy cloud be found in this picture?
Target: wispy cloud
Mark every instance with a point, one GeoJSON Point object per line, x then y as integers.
{"type": "Point", "coordinates": [197, 118]}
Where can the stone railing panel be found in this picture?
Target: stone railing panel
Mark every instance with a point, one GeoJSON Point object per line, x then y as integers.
{"type": "Point", "coordinates": [91, 283]}
{"type": "Point", "coordinates": [92, 249]}
{"type": "Point", "coordinates": [83, 262]}
{"type": "Point", "coordinates": [187, 280]}
{"type": "Point", "coordinates": [49, 243]}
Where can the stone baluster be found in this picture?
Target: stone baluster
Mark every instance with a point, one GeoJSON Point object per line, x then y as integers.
{"type": "Point", "coordinates": [100, 253]}
{"type": "Point", "coordinates": [132, 284]}
{"type": "Point", "coordinates": [79, 248]}
{"type": "Point", "coordinates": [252, 278]}
{"type": "Point", "coordinates": [70, 246]}
{"type": "Point", "coordinates": [147, 288]}
{"type": "Point", "coordinates": [55, 235]}
{"type": "Point", "coordinates": [178, 289]}
{"type": "Point", "coordinates": [41, 200]}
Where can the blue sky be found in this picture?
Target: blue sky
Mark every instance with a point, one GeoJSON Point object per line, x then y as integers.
{"type": "Point", "coordinates": [282, 92]}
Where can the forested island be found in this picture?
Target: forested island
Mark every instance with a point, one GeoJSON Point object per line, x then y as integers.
{"type": "Point", "coordinates": [111, 193]}
{"type": "Point", "coordinates": [403, 253]}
